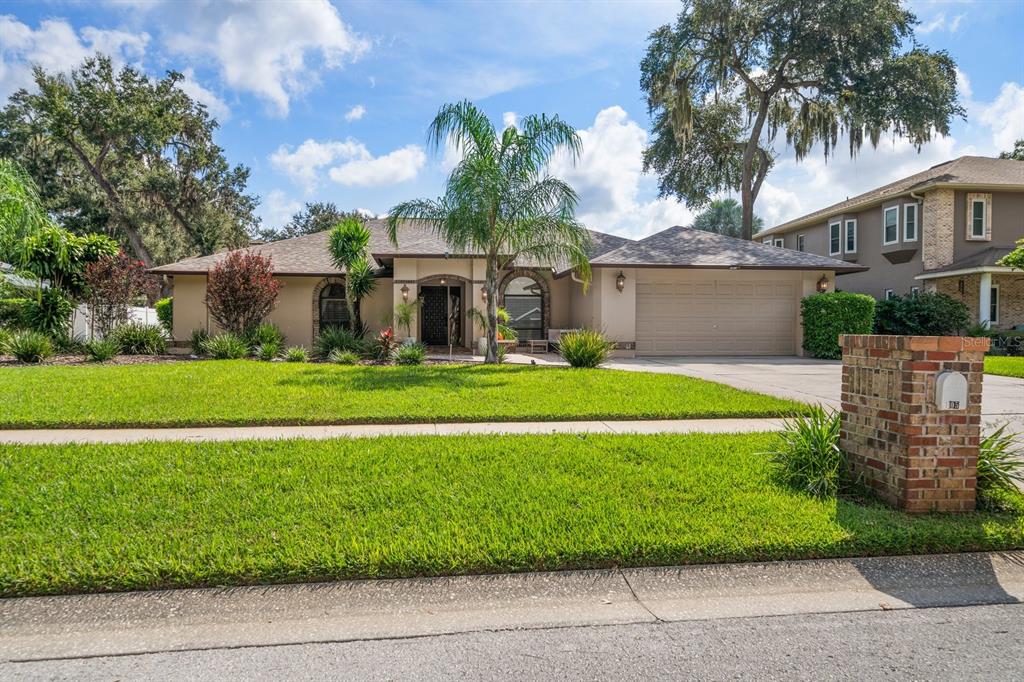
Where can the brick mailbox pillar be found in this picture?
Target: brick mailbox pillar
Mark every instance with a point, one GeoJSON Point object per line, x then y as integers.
{"type": "Point", "coordinates": [915, 453]}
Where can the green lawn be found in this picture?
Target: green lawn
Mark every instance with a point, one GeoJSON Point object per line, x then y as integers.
{"type": "Point", "coordinates": [244, 392]}
{"type": "Point", "coordinates": [1005, 365]}
{"type": "Point", "coordinates": [92, 518]}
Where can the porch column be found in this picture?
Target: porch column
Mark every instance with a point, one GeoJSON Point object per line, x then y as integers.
{"type": "Point", "coordinates": [985, 299]}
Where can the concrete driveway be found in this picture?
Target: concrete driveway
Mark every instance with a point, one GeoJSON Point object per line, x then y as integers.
{"type": "Point", "coordinates": [814, 381]}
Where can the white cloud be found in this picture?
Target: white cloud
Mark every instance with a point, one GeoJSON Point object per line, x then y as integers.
{"type": "Point", "coordinates": [304, 164]}
{"type": "Point", "coordinates": [217, 107]}
{"type": "Point", "coordinates": [366, 171]}
{"type": "Point", "coordinates": [273, 50]}
{"type": "Point", "coordinates": [1005, 116]}
{"type": "Point", "coordinates": [355, 113]}
{"type": "Point", "coordinates": [509, 119]}
{"type": "Point", "coordinates": [609, 179]}
{"type": "Point", "coordinates": [56, 47]}
{"type": "Point", "coordinates": [940, 23]}
{"type": "Point", "coordinates": [278, 209]}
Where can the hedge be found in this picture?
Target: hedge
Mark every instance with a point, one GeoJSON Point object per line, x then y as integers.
{"type": "Point", "coordinates": [826, 316]}
{"type": "Point", "coordinates": [165, 313]}
{"type": "Point", "coordinates": [12, 311]}
{"type": "Point", "coordinates": [924, 314]}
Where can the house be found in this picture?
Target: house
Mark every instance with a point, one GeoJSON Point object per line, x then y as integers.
{"type": "Point", "coordinates": [942, 229]}
{"type": "Point", "coordinates": [678, 292]}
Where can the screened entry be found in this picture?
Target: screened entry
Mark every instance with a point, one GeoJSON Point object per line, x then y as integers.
{"type": "Point", "coordinates": [524, 301]}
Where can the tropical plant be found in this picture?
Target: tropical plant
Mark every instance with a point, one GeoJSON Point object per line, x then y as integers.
{"type": "Point", "coordinates": [112, 283]}
{"type": "Point", "coordinates": [101, 350]}
{"type": "Point", "coordinates": [226, 346]}
{"type": "Point", "coordinates": [60, 257]}
{"type": "Point", "coordinates": [1000, 461]}
{"type": "Point", "coordinates": [405, 313]}
{"type": "Point", "coordinates": [500, 201]}
{"type": "Point", "coordinates": [730, 75]}
{"type": "Point", "coordinates": [296, 354]}
{"type": "Point", "coordinates": [410, 354]}
{"type": "Point", "coordinates": [30, 346]}
{"type": "Point", "coordinates": [268, 351]}
{"type": "Point", "coordinates": [584, 348]}
{"type": "Point", "coordinates": [384, 345]}
{"type": "Point", "coordinates": [48, 312]}
{"type": "Point", "coordinates": [241, 290]}
{"type": "Point", "coordinates": [924, 314]}
{"type": "Point", "coordinates": [336, 339]}
{"type": "Point", "coordinates": [21, 211]}
{"type": "Point", "coordinates": [343, 357]}
{"type": "Point", "coordinates": [262, 334]}
{"type": "Point", "coordinates": [5, 340]}
{"type": "Point", "coordinates": [502, 355]}
{"type": "Point", "coordinates": [165, 313]}
{"type": "Point", "coordinates": [808, 457]}
{"type": "Point", "coordinates": [348, 245]}
{"type": "Point", "coordinates": [724, 216]}
{"type": "Point", "coordinates": [138, 338]}
{"type": "Point", "coordinates": [197, 340]}
{"type": "Point", "coordinates": [505, 332]}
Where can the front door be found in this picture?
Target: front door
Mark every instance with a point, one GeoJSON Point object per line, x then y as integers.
{"type": "Point", "coordinates": [434, 316]}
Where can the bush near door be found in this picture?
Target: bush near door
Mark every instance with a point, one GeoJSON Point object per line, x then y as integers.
{"type": "Point", "coordinates": [826, 316]}
{"type": "Point", "coordinates": [925, 314]}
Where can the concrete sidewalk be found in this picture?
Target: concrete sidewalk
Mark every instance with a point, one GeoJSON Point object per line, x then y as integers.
{"type": "Point", "coordinates": [226, 433]}
{"type": "Point", "coordinates": [46, 628]}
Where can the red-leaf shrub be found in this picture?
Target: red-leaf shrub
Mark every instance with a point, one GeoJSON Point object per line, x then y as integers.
{"type": "Point", "coordinates": [241, 291]}
{"type": "Point", "coordinates": [113, 283]}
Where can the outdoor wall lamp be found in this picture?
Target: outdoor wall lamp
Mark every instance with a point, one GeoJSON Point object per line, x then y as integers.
{"type": "Point", "coordinates": [405, 292]}
{"type": "Point", "coordinates": [444, 280]}
{"type": "Point", "coordinates": [483, 295]}
{"type": "Point", "coordinates": [823, 284]}
{"type": "Point", "coordinates": [620, 281]}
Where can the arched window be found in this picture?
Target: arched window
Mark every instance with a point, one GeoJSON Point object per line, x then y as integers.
{"type": "Point", "coordinates": [333, 309]}
{"type": "Point", "coordinates": [524, 301]}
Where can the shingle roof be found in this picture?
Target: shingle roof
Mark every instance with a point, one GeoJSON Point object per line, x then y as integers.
{"type": "Point", "coordinates": [983, 259]}
{"type": "Point", "coordinates": [308, 255]}
{"type": "Point", "coordinates": [686, 247]}
{"type": "Point", "coordinates": [966, 170]}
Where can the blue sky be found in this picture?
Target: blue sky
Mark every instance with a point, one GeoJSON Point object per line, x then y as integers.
{"type": "Point", "coordinates": [331, 101]}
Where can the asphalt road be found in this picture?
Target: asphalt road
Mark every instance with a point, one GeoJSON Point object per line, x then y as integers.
{"type": "Point", "coordinates": [976, 642]}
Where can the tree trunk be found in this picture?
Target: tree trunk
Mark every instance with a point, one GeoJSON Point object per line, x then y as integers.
{"type": "Point", "coordinates": [491, 287]}
{"type": "Point", "coordinates": [748, 192]}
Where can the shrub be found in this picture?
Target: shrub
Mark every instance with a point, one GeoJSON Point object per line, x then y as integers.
{"type": "Point", "coordinates": [241, 290]}
{"type": "Point", "coordinates": [808, 457]}
{"type": "Point", "coordinates": [30, 346]}
{"type": "Point", "coordinates": [12, 311]}
{"type": "Point", "coordinates": [136, 338]}
{"type": "Point", "coordinates": [502, 354]}
{"type": "Point", "coordinates": [343, 357]}
{"type": "Point", "coordinates": [1000, 466]}
{"type": "Point", "coordinates": [101, 351]}
{"type": "Point", "coordinates": [411, 354]}
{"type": "Point", "coordinates": [50, 313]}
{"type": "Point", "coordinates": [296, 354]}
{"type": "Point", "coordinates": [384, 345]}
{"type": "Point", "coordinates": [264, 333]}
{"type": "Point", "coordinates": [337, 339]}
{"type": "Point", "coordinates": [268, 351]}
{"type": "Point", "coordinates": [165, 313]}
{"type": "Point", "coordinates": [925, 314]}
{"type": "Point", "coordinates": [197, 340]}
{"type": "Point", "coordinates": [113, 283]}
{"type": "Point", "coordinates": [5, 340]}
{"type": "Point", "coordinates": [68, 344]}
{"type": "Point", "coordinates": [826, 316]}
{"type": "Point", "coordinates": [226, 346]}
{"type": "Point", "coordinates": [585, 348]}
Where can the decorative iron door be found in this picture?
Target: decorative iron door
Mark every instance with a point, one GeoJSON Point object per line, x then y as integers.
{"type": "Point", "coordinates": [434, 316]}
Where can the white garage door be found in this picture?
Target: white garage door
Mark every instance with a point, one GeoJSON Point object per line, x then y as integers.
{"type": "Point", "coordinates": [715, 312]}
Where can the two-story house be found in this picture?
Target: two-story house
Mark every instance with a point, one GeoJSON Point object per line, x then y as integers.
{"type": "Point", "coordinates": [942, 229]}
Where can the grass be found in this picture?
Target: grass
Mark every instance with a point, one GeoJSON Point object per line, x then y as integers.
{"type": "Point", "coordinates": [244, 392]}
{"type": "Point", "coordinates": [156, 515]}
{"type": "Point", "coordinates": [1005, 365]}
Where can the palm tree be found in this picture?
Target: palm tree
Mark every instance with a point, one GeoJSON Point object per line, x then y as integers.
{"type": "Point", "coordinates": [347, 244]}
{"type": "Point", "coordinates": [21, 210]}
{"type": "Point", "coordinates": [724, 216]}
{"type": "Point", "coordinates": [500, 202]}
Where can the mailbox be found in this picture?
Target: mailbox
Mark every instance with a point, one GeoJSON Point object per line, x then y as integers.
{"type": "Point", "coordinates": [951, 391]}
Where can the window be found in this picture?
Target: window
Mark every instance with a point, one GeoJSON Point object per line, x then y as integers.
{"type": "Point", "coordinates": [524, 302]}
{"type": "Point", "coordinates": [780, 242]}
{"type": "Point", "coordinates": [333, 308]}
{"type": "Point", "coordinates": [890, 225]}
{"type": "Point", "coordinates": [993, 306]}
{"type": "Point", "coordinates": [851, 236]}
{"type": "Point", "coordinates": [800, 243]}
{"type": "Point", "coordinates": [835, 243]}
{"type": "Point", "coordinates": [914, 291]}
{"type": "Point", "coordinates": [910, 222]}
{"type": "Point", "coordinates": [767, 241]}
{"type": "Point", "coordinates": [889, 294]}
{"type": "Point", "coordinates": [978, 215]}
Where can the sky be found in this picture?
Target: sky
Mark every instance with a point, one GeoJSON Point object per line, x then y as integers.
{"type": "Point", "coordinates": [331, 101]}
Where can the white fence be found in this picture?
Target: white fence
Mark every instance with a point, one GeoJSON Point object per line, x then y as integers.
{"type": "Point", "coordinates": [81, 320]}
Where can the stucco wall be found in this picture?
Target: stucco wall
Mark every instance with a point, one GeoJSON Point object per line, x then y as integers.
{"type": "Point", "coordinates": [1007, 226]}
{"type": "Point", "coordinates": [189, 305]}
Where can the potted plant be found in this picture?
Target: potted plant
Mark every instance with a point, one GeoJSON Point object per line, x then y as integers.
{"type": "Point", "coordinates": [405, 312]}
{"type": "Point", "coordinates": [505, 332]}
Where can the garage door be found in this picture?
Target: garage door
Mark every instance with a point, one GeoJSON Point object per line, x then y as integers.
{"type": "Point", "coordinates": [693, 312]}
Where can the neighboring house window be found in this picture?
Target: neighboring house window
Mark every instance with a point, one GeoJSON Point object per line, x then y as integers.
{"type": "Point", "coordinates": [780, 242]}
{"type": "Point", "coordinates": [835, 243]}
{"type": "Point", "coordinates": [993, 306]}
{"type": "Point", "coordinates": [889, 293]}
{"type": "Point", "coordinates": [910, 222]}
{"type": "Point", "coordinates": [851, 236]}
{"type": "Point", "coordinates": [767, 241]}
{"type": "Point", "coordinates": [890, 225]}
{"type": "Point", "coordinates": [800, 242]}
{"type": "Point", "coordinates": [914, 291]}
{"type": "Point", "coordinates": [978, 215]}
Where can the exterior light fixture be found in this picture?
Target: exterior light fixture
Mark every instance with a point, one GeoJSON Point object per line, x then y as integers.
{"type": "Point", "coordinates": [620, 281]}
{"type": "Point", "coordinates": [444, 280]}
{"type": "Point", "coordinates": [483, 295]}
{"type": "Point", "coordinates": [405, 292]}
{"type": "Point", "coordinates": [823, 284]}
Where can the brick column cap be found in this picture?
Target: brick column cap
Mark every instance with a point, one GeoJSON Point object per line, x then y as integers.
{"type": "Point", "coordinates": [953, 344]}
